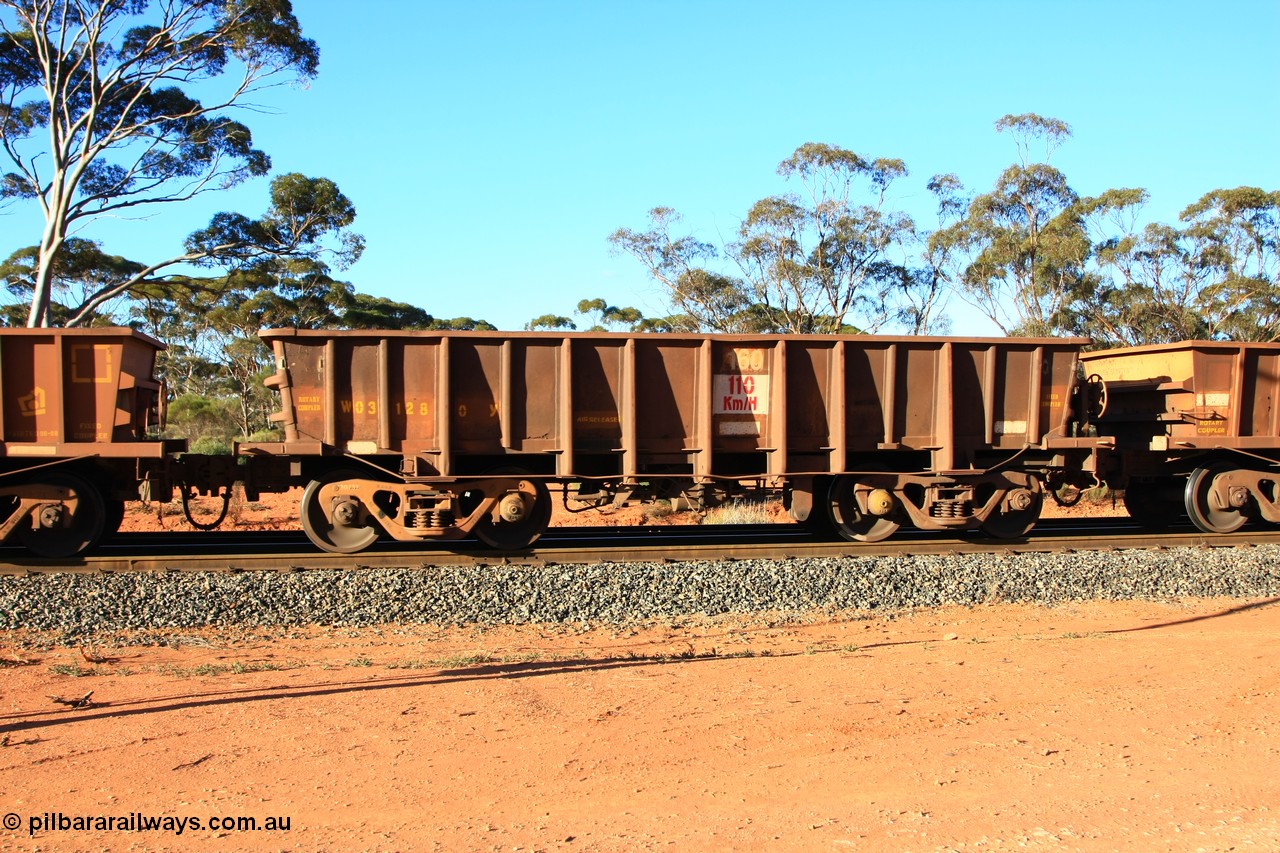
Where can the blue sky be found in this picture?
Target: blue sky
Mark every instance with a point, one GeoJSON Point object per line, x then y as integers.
{"type": "Point", "coordinates": [491, 147]}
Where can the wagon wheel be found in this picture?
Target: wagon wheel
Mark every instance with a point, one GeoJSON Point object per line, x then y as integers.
{"type": "Point", "coordinates": [1154, 503]}
{"type": "Point", "coordinates": [1204, 505]}
{"type": "Point", "coordinates": [67, 527]}
{"type": "Point", "coordinates": [852, 517]}
{"type": "Point", "coordinates": [1016, 513]}
{"type": "Point", "coordinates": [345, 525]}
{"type": "Point", "coordinates": [523, 515]}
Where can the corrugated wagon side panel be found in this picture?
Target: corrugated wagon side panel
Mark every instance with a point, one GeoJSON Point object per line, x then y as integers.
{"type": "Point", "coordinates": [475, 376]}
{"type": "Point", "coordinates": [32, 395]}
{"type": "Point", "coordinates": [868, 392]}
{"type": "Point", "coordinates": [91, 382]}
{"type": "Point", "coordinates": [598, 378]}
{"type": "Point", "coordinates": [916, 381]}
{"type": "Point", "coordinates": [304, 396]}
{"type": "Point", "coordinates": [743, 405]}
{"type": "Point", "coordinates": [358, 402]}
{"type": "Point", "coordinates": [814, 405]}
{"type": "Point", "coordinates": [667, 380]}
{"type": "Point", "coordinates": [1260, 413]}
{"type": "Point", "coordinates": [536, 388]}
{"type": "Point", "coordinates": [411, 407]}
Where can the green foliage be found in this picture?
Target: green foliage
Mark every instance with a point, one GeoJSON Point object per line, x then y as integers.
{"type": "Point", "coordinates": [1019, 252]}
{"type": "Point", "coordinates": [362, 311]}
{"type": "Point", "coordinates": [1029, 127]}
{"type": "Point", "coordinates": [205, 422]}
{"type": "Point", "coordinates": [550, 323]}
{"type": "Point", "coordinates": [605, 317]}
{"type": "Point", "coordinates": [80, 269]}
{"type": "Point", "coordinates": [100, 113]}
{"type": "Point", "coordinates": [210, 446]}
{"type": "Point", "coordinates": [462, 324]}
{"type": "Point", "coordinates": [1233, 237]}
{"type": "Point", "coordinates": [825, 259]}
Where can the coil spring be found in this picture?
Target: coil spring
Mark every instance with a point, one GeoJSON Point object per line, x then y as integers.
{"type": "Point", "coordinates": [424, 519]}
{"type": "Point", "coordinates": [951, 509]}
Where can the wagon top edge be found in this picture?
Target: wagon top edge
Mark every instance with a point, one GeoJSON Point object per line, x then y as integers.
{"type": "Point", "coordinates": [84, 332]}
{"type": "Point", "coordinates": [268, 334]}
{"type": "Point", "coordinates": [1180, 346]}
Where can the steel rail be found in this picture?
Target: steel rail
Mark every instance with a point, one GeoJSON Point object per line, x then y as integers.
{"type": "Point", "coordinates": [572, 546]}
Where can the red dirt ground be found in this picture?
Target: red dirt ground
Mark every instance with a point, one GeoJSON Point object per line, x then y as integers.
{"type": "Point", "coordinates": [1090, 727]}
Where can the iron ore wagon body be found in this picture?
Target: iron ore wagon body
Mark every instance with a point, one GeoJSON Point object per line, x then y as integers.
{"type": "Point", "coordinates": [444, 435]}
{"type": "Point", "coordinates": [1196, 427]}
{"type": "Point", "coordinates": [79, 411]}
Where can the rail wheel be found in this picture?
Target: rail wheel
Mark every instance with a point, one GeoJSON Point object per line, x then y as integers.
{"type": "Point", "coordinates": [1210, 509]}
{"type": "Point", "coordinates": [523, 515]}
{"type": "Point", "coordinates": [1017, 512]}
{"type": "Point", "coordinates": [1154, 503]}
{"type": "Point", "coordinates": [861, 513]}
{"type": "Point", "coordinates": [336, 522]}
{"type": "Point", "coordinates": [67, 526]}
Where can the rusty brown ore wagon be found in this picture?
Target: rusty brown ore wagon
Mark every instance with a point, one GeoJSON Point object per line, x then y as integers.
{"type": "Point", "coordinates": [439, 435]}
{"type": "Point", "coordinates": [79, 412]}
{"type": "Point", "coordinates": [1196, 427]}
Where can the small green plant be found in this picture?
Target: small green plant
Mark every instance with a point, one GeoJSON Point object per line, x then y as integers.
{"type": "Point", "coordinates": [73, 669]}
{"type": "Point", "coordinates": [208, 669]}
{"type": "Point", "coordinates": [211, 446]}
{"type": "Point", "coordinates": [658, 510]}
{"type": "Point", "coordinates": [360, 661]}
{"type": "Point", "coordinates": [461, 660]}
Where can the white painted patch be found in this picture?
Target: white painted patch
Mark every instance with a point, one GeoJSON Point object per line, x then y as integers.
{"type": "Point", "coordinates": [1011, 427]}
{"type": "Point", "coordinates": [739, 427]}
{"type": "Point", "coordinates": [1215, 401]}
{"type": "Point", "coordinates": [739, 394]}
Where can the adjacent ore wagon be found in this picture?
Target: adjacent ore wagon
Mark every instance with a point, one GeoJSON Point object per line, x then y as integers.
{"type": "Point", "coordinates": [1196, 427]}
{"type": "Point", "coordinates": [79, 411]}
{"type": "Point", "coordinates": [439, 435]}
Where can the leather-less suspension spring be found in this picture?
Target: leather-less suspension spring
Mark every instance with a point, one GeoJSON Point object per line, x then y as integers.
{"type": "Point", "coordinates": [951, 509]}
{"type": "Point", "coordinates": [424, 519]}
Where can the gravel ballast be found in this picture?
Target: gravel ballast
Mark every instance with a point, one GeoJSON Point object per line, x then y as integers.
{"type": "Point", "coordinates": [85, 604]}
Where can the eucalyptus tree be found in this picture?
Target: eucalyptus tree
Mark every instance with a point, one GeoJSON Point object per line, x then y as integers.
{"type": "Point", "coordinates": [828, 257]}
{"type": "Point", "coordinates": [821, 259]}
{"type": "Point", "coordinates": [551, 323]}
{"type": "Point", "coordinates": [705, 298]}
{"type": "Point", "coordinates": [1019, 252]}
{"type": "Point", "coordinates": [1233, 237]}
{"type": "Point", "coordinates": [79, 270]}
{"type": "Point", "coordinates": [111, 108]}
{"type": "Point", "coordinates": [1213, 278]}
{"type": "Point", "coordinates": [1148, 289]}
{"type": "Point", "coordinates": [605, 317]}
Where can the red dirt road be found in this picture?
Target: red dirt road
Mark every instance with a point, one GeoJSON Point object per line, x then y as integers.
{"type": "Point", "coordinates": [1086, 727]}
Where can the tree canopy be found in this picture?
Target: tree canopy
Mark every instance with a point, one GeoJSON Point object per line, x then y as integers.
{"type": "Point", "coordinates": [111, 107]}
{"type": "Point", "coordinates": [1032, 254]}
{"type": "Point", "coordinates": [830, 257]}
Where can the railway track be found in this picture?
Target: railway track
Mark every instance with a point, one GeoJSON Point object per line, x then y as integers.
{"type": "Point", "coordinates": [290, 550]}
